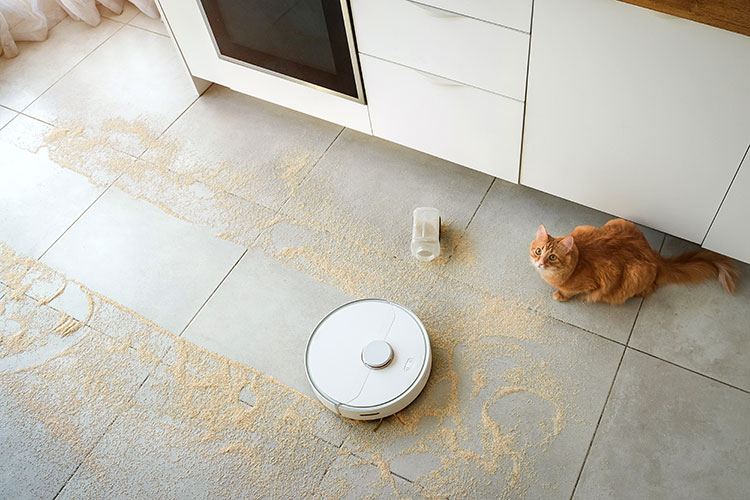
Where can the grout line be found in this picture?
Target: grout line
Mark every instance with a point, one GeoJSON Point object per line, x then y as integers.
{"type": "Point", "coordinates": [106, 430]}
{"type": "Point", "coordinates": [525, 94]}
{"type": "Point", "coordinates": [73, 67]}
{"type": "Point", "coordinates": [146, 29]}
{"type": "Point", "coordinates": [84, 134]}
{"type": "Point", "coordinates": [402, 477]}
{"type": "Point", "coordinates": [441, 273]}
{"type": "Point", "coordinates": [212, 293]}
{"type": "Point", "coordinates": [598, 422]}
{"type": "Point", "coordinates": [161, 134]}
{"type": "Point", "coordinates": [635, 320]}
{"type": "Point", "coordinates": [79, 217]}
{"type": "Point", "coordinates": [114, 20]}
{"type": "Point", "coordinates": [317, 486]}
{"type": "Point", "coordinates": [492, 183]}
{"type": "Point", "coordinates": [139, 156]}
{"type": "Point", "coordinates": [581, 328]}
{"type": "Point", "coordinates": [4, 106]}
{"type": "Point", "coordinates": [723, 199]}
{"type": "Point", "coordinates": [609, 393]}
{"type": "Point", "coordinates": [39, 120]}
{"type": "Point", "coordinates": [746, 391]}
{"type": "Point", "coordinates": [88, 454]}
{"type": "Point", "coordinates": [10, 121]}
{"type": "Point", "coordinates": [643, 299]}
{"type": "Point", "coordinates": [309, 171]}
{"type": "Point", "coordinates": [661, 245]}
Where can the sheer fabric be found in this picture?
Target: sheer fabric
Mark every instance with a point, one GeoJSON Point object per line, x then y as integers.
{"type": "Point", "coordinates": [30, 20]}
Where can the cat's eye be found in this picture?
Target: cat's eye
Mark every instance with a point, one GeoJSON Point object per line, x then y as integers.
{"type": "Point", "coordinates": [538, 251]}
{"type": "Point", "coordinates": [552, 256]}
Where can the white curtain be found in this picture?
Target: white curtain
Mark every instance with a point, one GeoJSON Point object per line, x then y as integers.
{"type": "Point", "coordinates": [30, 20]}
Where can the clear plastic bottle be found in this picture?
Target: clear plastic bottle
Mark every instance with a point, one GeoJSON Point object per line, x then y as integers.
{"type": "Point", "coordinates": [425, 236]}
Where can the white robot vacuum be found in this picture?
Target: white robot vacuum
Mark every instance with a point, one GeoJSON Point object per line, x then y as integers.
{"type": "Point", "coordinates": [368, 359]}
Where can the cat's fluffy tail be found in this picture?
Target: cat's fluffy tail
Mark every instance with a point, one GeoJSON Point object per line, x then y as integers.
{"type": "Point", "coordinates": [694, 267]}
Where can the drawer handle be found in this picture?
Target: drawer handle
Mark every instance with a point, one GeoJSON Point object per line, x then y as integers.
{"type": "Point", "coordinates": [435, 12]}
{"type": "Point", "coordinates": [438, 80]}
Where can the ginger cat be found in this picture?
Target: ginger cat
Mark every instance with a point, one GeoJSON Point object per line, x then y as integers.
{"type": "Point", "coordinates": [615, 262]}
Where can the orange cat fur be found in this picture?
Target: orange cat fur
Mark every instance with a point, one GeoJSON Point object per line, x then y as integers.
{"type": "Point", "coordinates": [615, 262]}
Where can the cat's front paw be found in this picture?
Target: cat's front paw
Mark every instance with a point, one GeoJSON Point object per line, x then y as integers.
{"type": "Point", "coordinates": [558, 296]}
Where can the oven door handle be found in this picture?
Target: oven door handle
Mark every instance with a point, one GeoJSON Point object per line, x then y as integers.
{"type": "Point", "coordinates": [434, 11]}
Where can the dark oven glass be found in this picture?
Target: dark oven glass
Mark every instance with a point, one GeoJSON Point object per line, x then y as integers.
{"type": "Point", "coordinates": [303, 39]}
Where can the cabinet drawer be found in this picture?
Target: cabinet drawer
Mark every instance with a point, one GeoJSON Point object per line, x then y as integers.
{"type": "Point", "coordinates": [450, 45]}
{"type": "Point", "coordinates": [512, 13]}
{"type": "Point", "coordinates": [463, 124]}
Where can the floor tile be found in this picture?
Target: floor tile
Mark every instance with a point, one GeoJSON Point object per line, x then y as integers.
{"type": "Point", "coordinates": [129, 11]}
{"type": "Point", "coordinates": [6, 115]}
{"type": "Point", "coordinates": [668, 433]}
{"type": "Point", "coordinates": [159, 266]}
{"type": "Point", "coordinates": [151, 85]}
{"type": "Point", "coordinates": [356, 266]}
{"type": "Point", "coordinates": [251, 148]}
{"type": "Point", "coordinates": [148, 23]}
{"type": "Point", "coordinates": [40, 64]}
{"type": "Point", "coordinates": [700, 327]}
{"type": "Point", "coordinates": [73, 304]}
{"type": "Point", "coordinates": [53, 413]}
{"type": "Point", "coordinates": [369, 185]}
{"type": "Point", "coordinates": [228, 216]}
{"type": "Point", "coordinates": [352, 478]}
{"type": "Point", "coordinates": [187, 435]}
{"type": "Point", "coordinates": [494, 254]}
{"type": "Point", "coordinates": [263, 314]}
{"type": "Point", "coordinates": [510, 406]}
{"type": "Point", "coordinates": [69, 148]}
{"type": "Point", "coordinates": [39, 199]}
{"type": "Point", "coordinates": [31, 335]}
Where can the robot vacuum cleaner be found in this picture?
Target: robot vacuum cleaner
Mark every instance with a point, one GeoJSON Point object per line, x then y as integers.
{"type": "Point", "coordinates": [368, 359]}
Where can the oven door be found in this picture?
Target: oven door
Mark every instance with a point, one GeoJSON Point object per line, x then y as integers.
{"type": "Point", "coordinates": [297, 53]}
{"type": "Point", "coordinates": [309, 41]}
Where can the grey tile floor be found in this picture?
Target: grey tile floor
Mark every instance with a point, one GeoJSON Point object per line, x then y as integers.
{"type": "Point", "coordinates": [237, 224]}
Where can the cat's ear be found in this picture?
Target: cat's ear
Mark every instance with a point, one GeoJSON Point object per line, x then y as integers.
{"type": "Point", "coordinates": [541, 233]}
{"type": "Point", "coordinates": [567, 244]}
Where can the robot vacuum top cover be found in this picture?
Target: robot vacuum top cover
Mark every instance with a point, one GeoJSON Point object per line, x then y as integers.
{"type": "Point", "coordinates": [368, 359]}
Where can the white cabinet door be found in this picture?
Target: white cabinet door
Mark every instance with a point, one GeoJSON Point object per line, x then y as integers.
{"type": "Point", "coordinates": [730, 232]}
{"type": "Point", "coordinates": [450, 45]}
{"type": "Point", "coordinates": [636, 113]}
{"type": "Point", "coordinates": [459, 123]}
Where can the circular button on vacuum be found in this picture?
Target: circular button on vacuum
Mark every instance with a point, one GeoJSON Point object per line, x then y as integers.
{"type": "Point", "coordinates": [377, 354]}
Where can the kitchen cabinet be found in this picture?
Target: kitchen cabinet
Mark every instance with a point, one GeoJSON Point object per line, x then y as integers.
{"type": "Point", "coordinates": [729, 233]}
{"type": "Point", "coordinates": [636, 113]}
{"type": "Point", "coordinates": [444, 83]}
